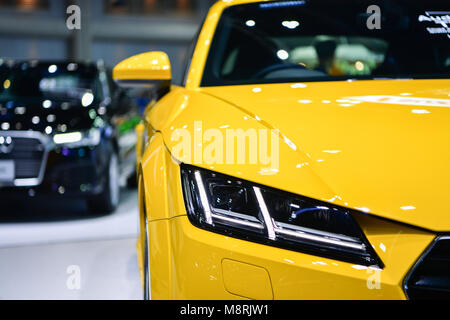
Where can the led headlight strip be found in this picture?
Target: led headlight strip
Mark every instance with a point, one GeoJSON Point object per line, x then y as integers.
{"type": "Point", "coordinates": [203, 197]}
{"type": "Point", "coordinates": [244, 210]}
{"type": "Point", "coordinates": [265, 213]}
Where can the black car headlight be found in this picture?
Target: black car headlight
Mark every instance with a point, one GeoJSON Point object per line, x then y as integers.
{"type": "Point", "coordinates": [248, 211]}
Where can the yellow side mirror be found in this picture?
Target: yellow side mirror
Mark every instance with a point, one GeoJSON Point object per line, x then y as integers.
{"type": "Point", "coordinates": [144, 70]}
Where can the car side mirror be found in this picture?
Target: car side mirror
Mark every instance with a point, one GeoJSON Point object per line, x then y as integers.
{"type": "Point", "coordinates": [146, 70]}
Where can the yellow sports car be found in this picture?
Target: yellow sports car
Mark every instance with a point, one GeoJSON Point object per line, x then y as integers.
{"type": "Point", "coordinates": [305, 155]}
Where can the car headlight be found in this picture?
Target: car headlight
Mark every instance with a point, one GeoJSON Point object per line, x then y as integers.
{"type": "Point", "coordinates": [78, 138]}
{"type": "Point", "coordinates": [244, 210]}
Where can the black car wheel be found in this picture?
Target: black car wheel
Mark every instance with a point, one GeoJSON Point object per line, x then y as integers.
{"type": "Point", "coordinates": [108, 200]}
{"type": "Point", "coordinates": [132, 181]}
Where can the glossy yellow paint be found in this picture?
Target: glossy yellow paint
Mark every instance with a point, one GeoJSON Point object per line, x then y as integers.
{"type": "Point", "coordinates": [246, 280]}
{"type": "Point", "coordinates": [334, 148]}
{"type": "Point", "coordinates": [144, 66]}
{"type": "Point", "coordinates": [197, 274]}
{"type": "Point", "coordinates": [379, 147]}
{"type": "Point", "coordinates": [187, 263]}
{"type": "Point", "coordinates": [196, 257]}
{"type": "Point", "coordinates": [363, 139]}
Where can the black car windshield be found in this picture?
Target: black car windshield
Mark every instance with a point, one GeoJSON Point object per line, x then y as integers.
{"type": "Point", "coordinates": [325, 40]}
{"type": "Point", "coordinates": [26, 81]}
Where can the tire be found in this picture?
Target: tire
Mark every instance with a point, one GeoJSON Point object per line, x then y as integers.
{"type": "Point", "coordinates": [132, 181]}
{"type": "Point", "coordinates": [147, 292]}
{"type": "Point", "coordinates": [108, 200]}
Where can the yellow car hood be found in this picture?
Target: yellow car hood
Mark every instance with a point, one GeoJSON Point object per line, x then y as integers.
{"type": "Point", "coordinates": [381, 147]}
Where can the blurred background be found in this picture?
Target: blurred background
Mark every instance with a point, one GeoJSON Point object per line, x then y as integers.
{"type": "Point", "coordinates": [111, 29]}
{"type": "Point", "coordinates": [55, 247]}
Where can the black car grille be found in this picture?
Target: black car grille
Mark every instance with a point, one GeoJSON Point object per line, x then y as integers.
{"type": "Point", "coordinates": [28, 154]}
{"type": "Point", "coordinates": [73, 175]}
{"type": "Point", "coordinates": [430, 279]}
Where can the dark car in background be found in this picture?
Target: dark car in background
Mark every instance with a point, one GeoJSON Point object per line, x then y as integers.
{"type": "Point", "coordinates": [67, 131]}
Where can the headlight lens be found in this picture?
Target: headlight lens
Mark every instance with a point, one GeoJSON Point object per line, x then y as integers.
{"type": "Point", "coordinates": [244, 210]}
{"type": "Point", "coordinates": [79, 138]}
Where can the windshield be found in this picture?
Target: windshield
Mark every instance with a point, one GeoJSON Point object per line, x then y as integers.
{"type": "Point", "coordinates": [49, 81]}
{"type": "Point", "coordinates": [324, 40]}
